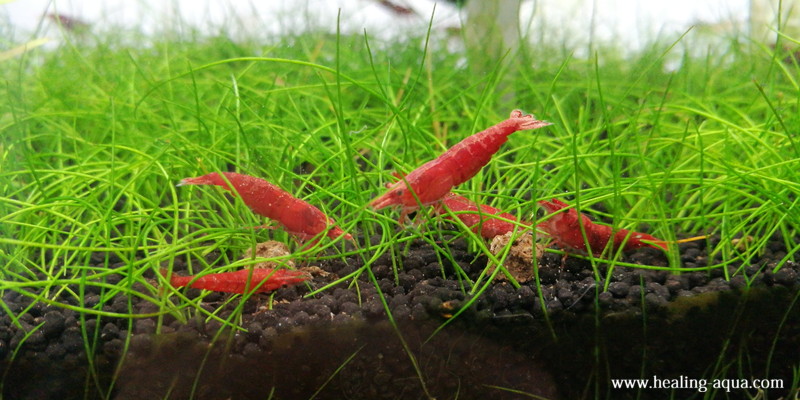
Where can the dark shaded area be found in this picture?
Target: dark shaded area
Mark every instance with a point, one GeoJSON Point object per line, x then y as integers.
{"type": "Point", "coordinates": [720, 335]}
{"type": "Point", "coordinates": [563, 339]}
{"type": "Point", "coordinates": [356, 360]}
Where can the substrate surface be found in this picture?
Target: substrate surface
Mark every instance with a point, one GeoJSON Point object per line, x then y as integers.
{"type": "Point", "coordinates": [564, 338]}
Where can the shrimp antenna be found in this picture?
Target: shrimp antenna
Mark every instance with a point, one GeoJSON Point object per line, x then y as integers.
{"type": "Point", "coordinates": [691, 239]}
{"type": "Point", "coordinates": [662, 244]}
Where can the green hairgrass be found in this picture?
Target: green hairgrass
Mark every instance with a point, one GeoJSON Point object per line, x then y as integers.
{"type": "Point", "coordinates": [96, 137]}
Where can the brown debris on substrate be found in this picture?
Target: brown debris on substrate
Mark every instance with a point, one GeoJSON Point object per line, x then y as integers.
{"type": "Point", "coordinates": [275, 249]}
{"type": "Point", "coordinates": [519, 261]}
{"type": "Point", "coordinates": [270, 249]}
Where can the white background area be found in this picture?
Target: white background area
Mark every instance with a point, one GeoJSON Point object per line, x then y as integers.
{"type": "Point", "coordinates": [631, 23]}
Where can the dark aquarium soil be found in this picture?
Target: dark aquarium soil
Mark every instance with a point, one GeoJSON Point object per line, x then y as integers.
{"type": "Point", "coordinates": [567, 340]}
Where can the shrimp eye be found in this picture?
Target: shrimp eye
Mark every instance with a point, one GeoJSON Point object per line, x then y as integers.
{"type": "Point", "coordinates": [399, 192]}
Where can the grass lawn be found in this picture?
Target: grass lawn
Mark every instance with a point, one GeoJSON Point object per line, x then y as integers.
{"type": "Point", "coordinates": [97, 133]}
